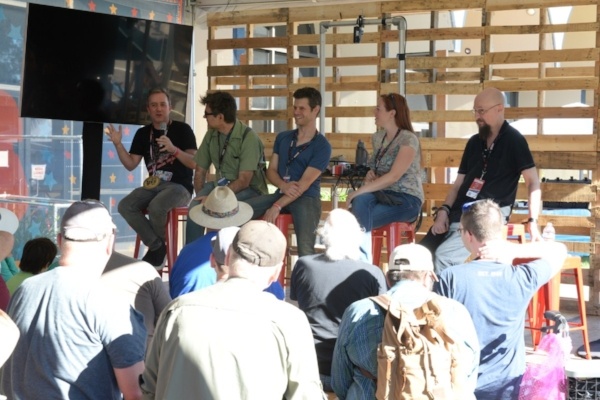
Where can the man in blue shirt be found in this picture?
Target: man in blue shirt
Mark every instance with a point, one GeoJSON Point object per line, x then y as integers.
{"type": "Point", "coordinates": [299, 157]}
{"type": "Point", "coordinates": [497, 294]}
{"type": "Point", "coordinates": [355, 355]}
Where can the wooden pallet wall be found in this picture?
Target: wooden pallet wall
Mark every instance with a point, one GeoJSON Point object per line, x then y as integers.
{"type": "Point", "coordinates": [441, 76]}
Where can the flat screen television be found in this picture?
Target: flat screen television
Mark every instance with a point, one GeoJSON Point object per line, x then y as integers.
{"type": "Point", "coordinates": [93, 67]}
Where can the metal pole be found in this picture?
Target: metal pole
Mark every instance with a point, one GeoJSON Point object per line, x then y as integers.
{"type": "Point", "coordinates": [400, 22]}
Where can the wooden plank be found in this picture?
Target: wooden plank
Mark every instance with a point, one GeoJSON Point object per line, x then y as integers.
{"type": "Point", "coordinates": [245, 70]}
{"type": "Point", "coordinates": [558, 221]}
{"type": "Point", "coordinates": [541, 143]}
{"type": "Point", "coordinates": [333, 62]}
{"type": "Point", "coordinates": [565, 160]}
{"type": "Point", "coordinates": [521, 73]}
{"type": "Point", "coordinates": [420, 5]}
{"type": "Point", "coordinates": [497, 5]}
{"type": "Point", "coordinates": [541, 29]}
{"type": "Point", "coordinates": [231, 18]}
{"type": "Point", "coordinates": [437, 88]}
{"type": "Point", "coordinates": [335, 12]}
{"type": "Point", "coordinates": [282, 92]}
{"type": "Point", "coordinates": [263, 114]}
{"type": "Point", "coordinates": [435, 62]}
{"type": "Point", "coordinates": [550, 112]}
{"type": "Point", "coordinates": [544, 84]}
{"type": "Point", "coordinates": [470, 32]}
{"type": "Point", "coordinates": [248, 43]}
{"type": "Point", "coordinates": [540, 56]}
{"type": "Point", "coordinates": [452, 76]}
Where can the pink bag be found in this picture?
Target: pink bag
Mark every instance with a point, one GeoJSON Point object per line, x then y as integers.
{"type": "Point", "coordinates": [546, 380]}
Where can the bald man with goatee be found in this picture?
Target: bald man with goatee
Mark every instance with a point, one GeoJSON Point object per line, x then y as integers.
{"type": "Point", "coordinates": [492, 163]}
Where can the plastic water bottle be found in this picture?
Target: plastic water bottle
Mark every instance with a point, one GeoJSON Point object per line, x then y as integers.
{"type": "Point", "coordinates": [549, 233]}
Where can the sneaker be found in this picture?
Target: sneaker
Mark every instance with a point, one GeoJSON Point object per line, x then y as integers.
{"type": "Point", "coordinates": [156, 258]}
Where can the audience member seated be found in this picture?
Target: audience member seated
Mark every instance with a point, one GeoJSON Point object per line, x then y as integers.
{"type": "Point", "coordinates": [37, 256]}
{"type": "Point", "coordinates": [235, 151]}
{"type": "Point", "coordinates": [392, 190]}
{"type": "Point", "coordinates": [299, 157]}
{"type": "Point", "coordinates": [76, 341]}
{"type": "Point", "coordinates": [411, 276]}
{"type": "Point", "coordinates": [220, 245]}
{"type": "Point", "coordinates": [231, 340]}
{"type": "Point", "coordinates": [192, 270]}
{"type": "Point", "coordinates": [139, 285]}
{"type": "Point", "coordinates": [497, 294]}
{"type": "Point", "coordinates": [325, 284]}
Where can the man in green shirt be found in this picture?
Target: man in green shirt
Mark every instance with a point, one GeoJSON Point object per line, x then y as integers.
{"type": "Point", "coordinates": [234, 149]}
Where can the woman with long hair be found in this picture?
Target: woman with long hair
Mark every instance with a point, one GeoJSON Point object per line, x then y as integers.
{"type": "Point", "coordinates": [392, 190]}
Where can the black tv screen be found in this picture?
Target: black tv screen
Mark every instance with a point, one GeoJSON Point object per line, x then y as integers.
{"type": "Point", "coordinates": [92, 67]}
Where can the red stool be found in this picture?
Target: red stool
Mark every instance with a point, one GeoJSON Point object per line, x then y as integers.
{"type": "Point", "coordinates": [283, 222]}
{"type": "Point", "coordinates": [174, 216]}
{"type": "Point", "coordinates": [395, 233]}
{"type": "Point", "coordinates": [514, 232]}
{"type": "Point", "coordinates": [548, 298]}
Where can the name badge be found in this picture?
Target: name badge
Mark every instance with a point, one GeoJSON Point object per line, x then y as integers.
{"type": "Point", "coordinates": [287, 178]}
{"type": "Point", "coordinates": [475, 188]}
{"type": "Point", "coordinates": [223, 182]}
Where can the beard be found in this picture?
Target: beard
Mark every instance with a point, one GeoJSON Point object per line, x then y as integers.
{"type": "Point", "coordinates": [485, 132]}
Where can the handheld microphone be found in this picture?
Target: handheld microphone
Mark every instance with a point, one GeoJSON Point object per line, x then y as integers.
{"type": "Point", "coordinates": [163, 127]}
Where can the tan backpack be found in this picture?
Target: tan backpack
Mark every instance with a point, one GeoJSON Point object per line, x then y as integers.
{"type": "Point", "coordinates": [416, 358]}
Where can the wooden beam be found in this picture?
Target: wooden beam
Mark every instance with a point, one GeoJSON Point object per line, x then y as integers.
{"type": "Point", "coordinates": [541, 56]}
{"type": "Point", "coordinates": [232, 18]}
{"type": "Point", "coordinates": [544, 84]}
{"type": "Point", "coordinates": [498, 5]}
{"type": "Point", "coordinates": [248, 43]}
{"type": "Point", "coordinates": [237, 70]}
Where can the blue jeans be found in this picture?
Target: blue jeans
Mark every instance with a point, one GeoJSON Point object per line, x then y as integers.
{"type": "Point", "coordinates": [306, 213]}
{"type": "Point", "coordinates": [452, 251]}
{"type": "Point", "coordinates": [193, 231]}
{"type": "Point", "coordinates": [371, 215]}
{"type": "Point", "coordinates": [158, 202]}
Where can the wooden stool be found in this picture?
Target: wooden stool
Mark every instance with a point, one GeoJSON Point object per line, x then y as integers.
{"type": "Point", "coordinates": [283, 222]}
{"type": "Point", "coordinates": [548, 298]}
{"type": "Point", "coordinates": [394, 233]}
{"type": "Point", "coordinates": [174, 216]}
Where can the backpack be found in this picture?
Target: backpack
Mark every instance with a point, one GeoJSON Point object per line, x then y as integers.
{"type": "Point", "coordinates": [416, 358]}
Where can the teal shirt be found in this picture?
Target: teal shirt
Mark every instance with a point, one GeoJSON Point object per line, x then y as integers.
{"type": "Point", "coordinates": [8, 268]}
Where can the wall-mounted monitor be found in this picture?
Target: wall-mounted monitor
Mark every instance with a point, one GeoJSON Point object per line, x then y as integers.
{"type": "Point", "coordinates": [92, 67]}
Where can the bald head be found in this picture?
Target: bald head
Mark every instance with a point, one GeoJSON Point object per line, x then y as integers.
{"type": "Point", "coordinates": [491, 95]}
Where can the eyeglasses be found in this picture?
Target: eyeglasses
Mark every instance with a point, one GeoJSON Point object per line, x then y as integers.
{"type": "Point", "coordinates": [481, 111]}
{"type": "Point", "coordinates": [211, 113]}
{"type": "Point", "coordinates": [461, 230]}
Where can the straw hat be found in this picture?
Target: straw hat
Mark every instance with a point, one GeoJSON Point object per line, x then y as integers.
{"type": "Point", "coordinates": [8, 221]}
{"type": "Point", "coordinates": [221, 209]}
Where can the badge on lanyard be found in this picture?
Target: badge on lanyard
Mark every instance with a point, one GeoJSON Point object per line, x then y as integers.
{"type": "Point", "coordinates": [475, 188]}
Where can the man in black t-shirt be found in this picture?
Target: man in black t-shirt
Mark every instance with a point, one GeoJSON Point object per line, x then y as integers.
{"type": "Point", "coordinates": [168, 148]}
{"type": "Point", "coordinates": [491, 165]}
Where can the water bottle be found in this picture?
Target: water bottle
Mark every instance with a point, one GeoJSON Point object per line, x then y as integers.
{"type": "Point", "coordinates": [549, 233]}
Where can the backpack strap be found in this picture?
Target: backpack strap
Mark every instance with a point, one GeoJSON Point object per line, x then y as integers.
{"type": "Point", "coordinates": [383, 300]}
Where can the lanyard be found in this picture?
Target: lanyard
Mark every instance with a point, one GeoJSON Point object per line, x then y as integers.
{"type": "Point", "coordinates": [299, 151]}
{"type": "Point", "coordinates": [380, 154]}
{"type": "Point", "coordinates": [486, 154]}
{"type": "Point", "coordinates": [223, 150]}
{"type": "Point", "coordinates": [153, 146]}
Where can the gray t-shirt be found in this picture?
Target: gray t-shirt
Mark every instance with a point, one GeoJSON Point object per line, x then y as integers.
{"type": "Point", "coordinates": [411, 182]}
{"type": "Point", "coordinates": [72, 336]}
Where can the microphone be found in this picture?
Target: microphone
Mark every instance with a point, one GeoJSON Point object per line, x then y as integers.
{"type": "Point", "coordinates": [163, 127]}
